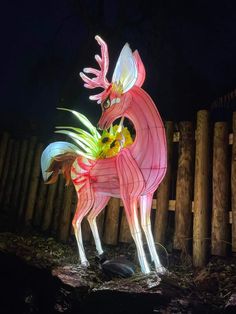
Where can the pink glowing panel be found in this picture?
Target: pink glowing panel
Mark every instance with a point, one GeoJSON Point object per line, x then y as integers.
{"type": "Point", "coordinates": [137, 170]}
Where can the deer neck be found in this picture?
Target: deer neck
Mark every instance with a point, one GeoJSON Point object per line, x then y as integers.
{"type": "Point", "coordinates": [147, 123]}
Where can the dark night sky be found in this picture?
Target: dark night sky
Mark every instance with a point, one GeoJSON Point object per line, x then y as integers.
{"type": "Point", "coordinates": [188, 48]}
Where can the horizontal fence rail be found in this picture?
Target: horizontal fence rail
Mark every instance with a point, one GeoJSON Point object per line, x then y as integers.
{"type": "Point", "coordinates": [194, 207]}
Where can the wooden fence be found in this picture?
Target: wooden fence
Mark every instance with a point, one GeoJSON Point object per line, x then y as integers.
{"type": "Point", "coordinates": [197, 195]}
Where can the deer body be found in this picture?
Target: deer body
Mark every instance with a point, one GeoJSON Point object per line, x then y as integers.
{"type": "Point", "coordinates": [136, 171]}
{"type": "Point", "coordinates": [151, 159]}
{"type": "Point", "coordinates": [149, 156]}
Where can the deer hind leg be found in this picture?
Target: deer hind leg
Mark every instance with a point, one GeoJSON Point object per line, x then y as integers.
{"type": "Point", "coordinates": [131, 186]}
{"type": "Point", "coordinates": [85, 203]}
{"type": "Point", "coordinates": [130, 206]}
{"type": "Point", "coordinates": [100, 202]}
{"type": "Point", "coordinates": [145, 211]}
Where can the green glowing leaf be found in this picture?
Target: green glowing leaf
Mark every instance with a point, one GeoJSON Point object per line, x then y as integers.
{"type": "Point", "coordinates": [75, 138]}
{"type": "Point", "coordinates": [84, 120]}
{"type": "Point", "coordinates": [83, 135]}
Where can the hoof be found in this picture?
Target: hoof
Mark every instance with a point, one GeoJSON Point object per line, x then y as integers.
{"type": "Point", "coordinates": [85, 264]}
{"type": "Point", "coordinates": [161, 270]}
{"type": "Point", "coordinates": [146, 271]}
{"type": "Point", "coordinates": [101, 258]}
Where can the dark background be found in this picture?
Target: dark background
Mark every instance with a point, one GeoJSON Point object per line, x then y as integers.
{"type": "Point", "coordinates": [188, 48]}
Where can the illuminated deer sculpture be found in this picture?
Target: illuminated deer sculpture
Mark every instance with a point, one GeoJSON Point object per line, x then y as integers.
{"type": "Point", "coordinates": [136, 171]}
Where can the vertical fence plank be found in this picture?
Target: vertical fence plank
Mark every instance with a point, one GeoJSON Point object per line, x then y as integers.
{"type": "Point", "coordinates": [3, 150]}
{"type": "Point", "coordinates": [11, 177]}
{"type": "Point", "coordinates": [74, 207]}
{"type": "Point", "coordinates": [100, 222]}
{"type": "Point", "coordinates": [7, 165]}
{"type": "Point", "coordinates": [40, 203]}
{"type": "Point", "coordinates": [58, 203]}
{"type": "Point", "coordinates": [220, 213]}
{"type": "Point", "coordinates": [48, 207]}
{"type": "Point", "coordinates": [19, 176]}
{"type": "Point", "coordinates": [184, 188]}
{"type": "Point", "coordinates": [26, 175]}
{"type": "Point", "coordinates": [65, 217]}
{"type": "Point", "coordinates": [34, 182]}
{"type": "Point", "coordinates": [233, 185]}
{"type": "Point", "coordinates": [125, 235]}
{"type": "Point", "coordinates": [112, 221]}
{"type": "Point", "coordinates": [163, 191]}
{"type": "Point", "coordinates": [201, 190]}
{"type": "Point", "coordinates": [86, 231]}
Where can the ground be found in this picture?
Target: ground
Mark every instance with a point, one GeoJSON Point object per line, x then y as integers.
{"type": "Point", "coordinates": [41, 275]}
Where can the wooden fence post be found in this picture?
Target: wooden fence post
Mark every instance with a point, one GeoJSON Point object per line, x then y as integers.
{"type": "Point", "coordinates": [74, 204]}
{"type": "Point", "coordinates": [184, 188]}
{"type": "Point", "coordinates": [19, 176]}
{"type": "Point", "coordinates": [40, 204]}
{"type": "Point", "coordinates": [112, 221]}
{"type": "Point", "coordinates": [26, 175]}
{"type": "Point", "coordinates": [11, 179]}
{"type": "Point", "coordinates": [125, 235]}
{"type": "Point", "coordinates": [3, 150]}
{"type": "Point", "coordinates": [101, 222]}
{"type": "Point", "coordinates": [34, 182]}
{"type": "Point", "coordinates": [48, 207]}
{"type": "Point", "coordinates": [65, 218]}
{"type": "Point", "coordinates": [233, 185]}
{"type": "Point", "coordinates": [201, 190]}
{"type": "Point", "coordinates": [220, 213]}
{"type": "Point", "coordinates": [163, 192]}
{"type": "Point", "coordinates": [6, 169]}
{"type": "Point", "coordinates": [86, 231]}
{"type": "Point", "coordinates": [58, 203]}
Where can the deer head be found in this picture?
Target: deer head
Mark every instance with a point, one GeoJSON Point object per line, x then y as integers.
{"type": "Point", "coordinates": [115, 97]}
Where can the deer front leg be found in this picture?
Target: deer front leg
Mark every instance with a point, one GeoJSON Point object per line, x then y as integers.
{"type": "Point", "coordinates": [99, 204]}
{"type": "Point", "coordinates": [85, 202]}
{"type": "Point", "coordinates": [130, 206]}
{"type": "Point", "coordinates": [131, 186]}
{"type": "Point", "coordinates": [79, 240]}
{"type": "Point", "coordinates": [145, 211]}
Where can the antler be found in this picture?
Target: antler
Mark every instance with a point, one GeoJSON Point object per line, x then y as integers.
{"type": "Point", "coordinates": [100, 79]}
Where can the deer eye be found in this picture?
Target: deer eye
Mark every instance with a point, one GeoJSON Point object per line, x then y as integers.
{"type": "Point", "coordinates": [106, 104]}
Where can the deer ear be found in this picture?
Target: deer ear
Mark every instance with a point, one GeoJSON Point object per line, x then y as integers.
{"type": "Point", "coordinates": [126, 71]}
{"type": "Point", "coordinates": [140, 68]}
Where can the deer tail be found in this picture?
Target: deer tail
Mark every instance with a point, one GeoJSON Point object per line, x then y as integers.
{"type": "Point", "coordinates": [57, 158]}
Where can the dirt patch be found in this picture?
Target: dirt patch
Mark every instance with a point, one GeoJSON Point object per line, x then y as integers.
{"type": "Point", "coordinates": [37, 270]}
